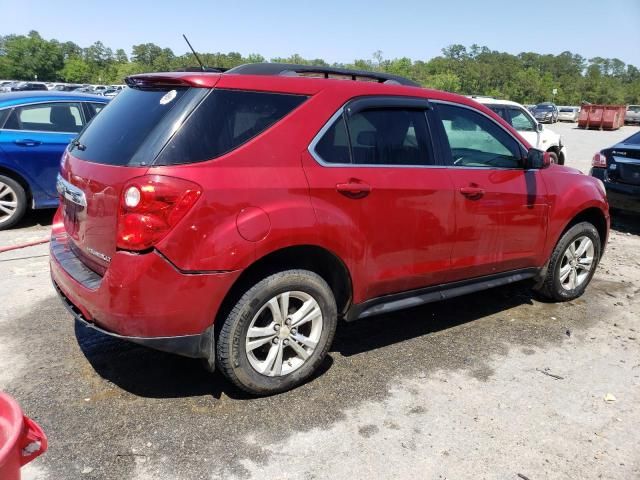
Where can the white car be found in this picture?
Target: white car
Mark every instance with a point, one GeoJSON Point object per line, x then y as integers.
{"type": "Point", "coordinates": [535, 133]}
{"type": "Point", "coordinates": [568, 114]}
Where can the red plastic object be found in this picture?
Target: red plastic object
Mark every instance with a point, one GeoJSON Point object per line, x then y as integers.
{"type": "Point", "coordinates": [602, 117]}
{"type": "Point", "coordinates": [21, 439]}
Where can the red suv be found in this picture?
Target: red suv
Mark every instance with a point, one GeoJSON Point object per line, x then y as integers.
{"type": "Point", "coordinates": [236, 217]}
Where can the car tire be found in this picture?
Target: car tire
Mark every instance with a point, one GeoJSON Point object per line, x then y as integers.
{"type": "Point", "coordinates": [13, 202]}
{"type": "Point", "coordinates": [554, 158]}
{"type": "Point", "coordinates": [264, 352]}
{"type": "Point", "coordinates": [570, 270]}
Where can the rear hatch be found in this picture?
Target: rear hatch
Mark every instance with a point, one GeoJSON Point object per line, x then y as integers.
{"type": "Point", "coordinates": [118, 146]}
{"type": "Point", "coordinates": [624, 161]}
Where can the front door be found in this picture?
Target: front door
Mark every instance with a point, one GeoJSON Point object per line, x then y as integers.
{"type": "Point", "coordinates": [501, 208]}
{"type": "Point", "coordinates": [35, 136]}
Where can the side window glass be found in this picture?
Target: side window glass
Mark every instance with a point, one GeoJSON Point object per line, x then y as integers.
{"type": "Point", "coordinates": [47, 117]}
{"type": "Point", "coordinates": [477, 141]}
{"type": "Point", "coordinates": [521, 121]}
{"type": "Point", "coordinates": [333, 147]}
{"type": "Point", "coordinates": [389, 137]}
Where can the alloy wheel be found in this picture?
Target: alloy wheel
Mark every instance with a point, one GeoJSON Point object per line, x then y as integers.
{"type": "Point", "coordinates": [577, 263]}
{"type": "Point", "coordinates": [8, 203]}
{"type": "Point", "coordinates": [284, 333]}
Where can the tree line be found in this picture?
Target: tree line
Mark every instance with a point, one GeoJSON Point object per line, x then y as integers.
{"type": "Point", "coordinates": [527, 77]}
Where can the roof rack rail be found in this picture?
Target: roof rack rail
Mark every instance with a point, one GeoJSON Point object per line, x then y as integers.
{"type": "Point", "coordinates": [206, 69]}
{"type": "Point", "coordinates": [288, 69]}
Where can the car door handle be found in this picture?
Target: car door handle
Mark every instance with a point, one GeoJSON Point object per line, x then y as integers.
{"type": "Point", "coordinates": [354, 189]}
{"type": "Point", "coordinates": [27, 142]}
{"type": "Point", "coordinates": [472, 192]}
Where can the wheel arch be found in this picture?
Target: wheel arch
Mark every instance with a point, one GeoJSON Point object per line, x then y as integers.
{"type": "Point", "coordinates": [308, 257]}
{"type": "Point", "coordinates": [596, 217]}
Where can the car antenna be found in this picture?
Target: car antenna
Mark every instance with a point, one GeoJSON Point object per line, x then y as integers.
{"type": "Point", "coordinates": [194, 52]}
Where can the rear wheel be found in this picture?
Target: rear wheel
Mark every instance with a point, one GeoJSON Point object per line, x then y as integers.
{"type": "Point", "coordinates": [13, 202]}
{"type": "Point", "coordinates": [554, 158]}
{"type": "Point", "coordinates": [572, 264]}
{"type": "Point", "coordinates": [278, 333]}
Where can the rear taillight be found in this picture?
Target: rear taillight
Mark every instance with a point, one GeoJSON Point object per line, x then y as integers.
{"type": "Point", "coordinates": [150, 207]}
{"type": "Point", "coordinates": [599, 160]}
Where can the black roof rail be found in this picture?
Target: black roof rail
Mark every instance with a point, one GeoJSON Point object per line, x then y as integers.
{"type": "Point", "coordinates": [206, 69]}
{"type": "Point", "coordinates": [289, 69]}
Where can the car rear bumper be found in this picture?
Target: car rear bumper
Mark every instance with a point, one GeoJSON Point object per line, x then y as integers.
{"type": "Point", "coordinates": [620, 195]}
{"type": "Point", "coordinates": [141, 298]}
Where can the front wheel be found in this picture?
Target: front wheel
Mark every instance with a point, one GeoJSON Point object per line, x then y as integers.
{"type": "Point", "coordinates": [572, 264]}
{"type": "Point", "coordinates": [554, 158]}
{"type": "Point", "coordinates": [278, 333]}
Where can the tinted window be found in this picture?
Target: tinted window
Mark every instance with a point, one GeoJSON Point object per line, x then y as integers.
{"type": "Point", "coordinates": [520, 120]}
{"type": "Point", "coordinates": [477, 141]}
{"type": "Point", "coordinates": [633, 139]}
{"type": "Point", "coordinates": [378, 137]}
{"type": "Point", "coordinates": [115, 136]}
{"type": "Point", "coordinates": [46, 117]}
{"type": "Point", "coordinates": [333, 147]}
{"type": "Point", "coordinates": [389, 137]}
{"type": "Point", "coordinates": [225, 120]}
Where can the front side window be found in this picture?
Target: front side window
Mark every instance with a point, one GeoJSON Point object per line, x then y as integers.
{"type": "Point", "coordinates": [477, 141]}
{"type": "Point", "coordinates": [46, 117]}
{"type": "Point", "coordinates": [385, 137]}
{"type": "Point", "coordinates": [521, 121]}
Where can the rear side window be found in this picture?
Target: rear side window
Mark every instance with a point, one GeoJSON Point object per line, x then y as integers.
{"type": "Point", "coordinates": [387, 137]}
{"type": "Point", "coordinates": [225, 120]}
{"type": "Point", "coordinates": [47, 117]}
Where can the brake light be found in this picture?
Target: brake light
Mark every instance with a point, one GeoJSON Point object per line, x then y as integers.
{"type": "Point", "coordinates": [599, 160]}
{"type": "Point", "coordinates": [150, 207]}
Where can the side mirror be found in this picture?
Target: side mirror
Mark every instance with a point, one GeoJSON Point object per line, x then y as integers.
{"type": "Point", "coordinates": [540, 127]}
{"type": "Point", "coordinates": [537, 159]}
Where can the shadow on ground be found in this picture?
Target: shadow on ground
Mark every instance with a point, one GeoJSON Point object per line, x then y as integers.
{"type": "Point", "coordinates": [625, 222]}
{"type": "Point", "coordinates": [153, 374]}
{"type": "Point", "coordinates": [37, 218]}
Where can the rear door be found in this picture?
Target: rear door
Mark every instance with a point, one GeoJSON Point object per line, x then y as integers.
{"type": "Point", "coordinates": [372, 168]}
{"type": "Point", "coordinates": [35, 136]}
{"type": "Point", "coordinates": [501, 208]}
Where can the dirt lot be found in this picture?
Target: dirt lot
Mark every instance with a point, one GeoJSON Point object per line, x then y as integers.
{"type": "Point", "coordinates": [461, 389]}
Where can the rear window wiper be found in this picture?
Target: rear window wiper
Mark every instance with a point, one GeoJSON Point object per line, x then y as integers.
{"type": "Point", "coordinates": [76, 143]}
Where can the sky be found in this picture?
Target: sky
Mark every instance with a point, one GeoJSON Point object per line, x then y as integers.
{"type": "Point", "coordinates": [339, 30]}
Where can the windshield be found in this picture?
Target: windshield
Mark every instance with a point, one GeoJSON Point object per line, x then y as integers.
{"type": "Point", "coordinates": [634, 108]}
{"type": "Point", "coordinates": [544, 107]}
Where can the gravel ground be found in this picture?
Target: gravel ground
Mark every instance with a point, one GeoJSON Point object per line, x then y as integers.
{"type": "Point", "coordinates": [488, 386]}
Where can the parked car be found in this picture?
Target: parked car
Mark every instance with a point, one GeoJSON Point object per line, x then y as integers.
{"type": "Point", "coordinates": [237, 217]}
{"type": "Point", "coordinates": [35, 129]}
{"type": "Point", "coordinates": [111, 92]}
{"type": "Point", "coordinates": [545, 112]}
{"type": "Point", "coordinates": [99, 89]}
{"type": "Point", "coordinates": [5, 86]}
{"type": "Point", "coordinates": [632, 115]}
{"type": "Point", "coordinates": [28, 86]}
{"type": "Point", "coordinates": [618, 167]}
{"type": "Point", "coordinates": [568, 114]}
{"type": "Point", "coordinates": [66, 87]}
{"type": "Point", "coordinates": [535, 133]}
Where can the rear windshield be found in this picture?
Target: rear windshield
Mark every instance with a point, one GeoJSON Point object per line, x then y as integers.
{"type": "Point", "coordinates": [116, 135]}
{"type": "Point", "coordinates": [144, 127]}
{"type": "Point", "coordinates": [571, 110]}
{"type": "Point", "coordinates": [633, 139]}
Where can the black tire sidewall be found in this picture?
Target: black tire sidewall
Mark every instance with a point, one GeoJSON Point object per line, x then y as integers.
{"type": "Point", "coordinates": [237, 366]}
{"type": "Point", "coordinates": [581, 229]}
{"type": "Point", "coordinates": [22, 202]}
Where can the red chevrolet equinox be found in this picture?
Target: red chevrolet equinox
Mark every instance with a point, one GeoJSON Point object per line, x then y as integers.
{"type": "Point", "coordinates": [237, 217]}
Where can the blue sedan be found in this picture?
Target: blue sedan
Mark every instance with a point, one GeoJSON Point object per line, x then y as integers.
{"type": "Point", "coordinates": [35, 128]}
